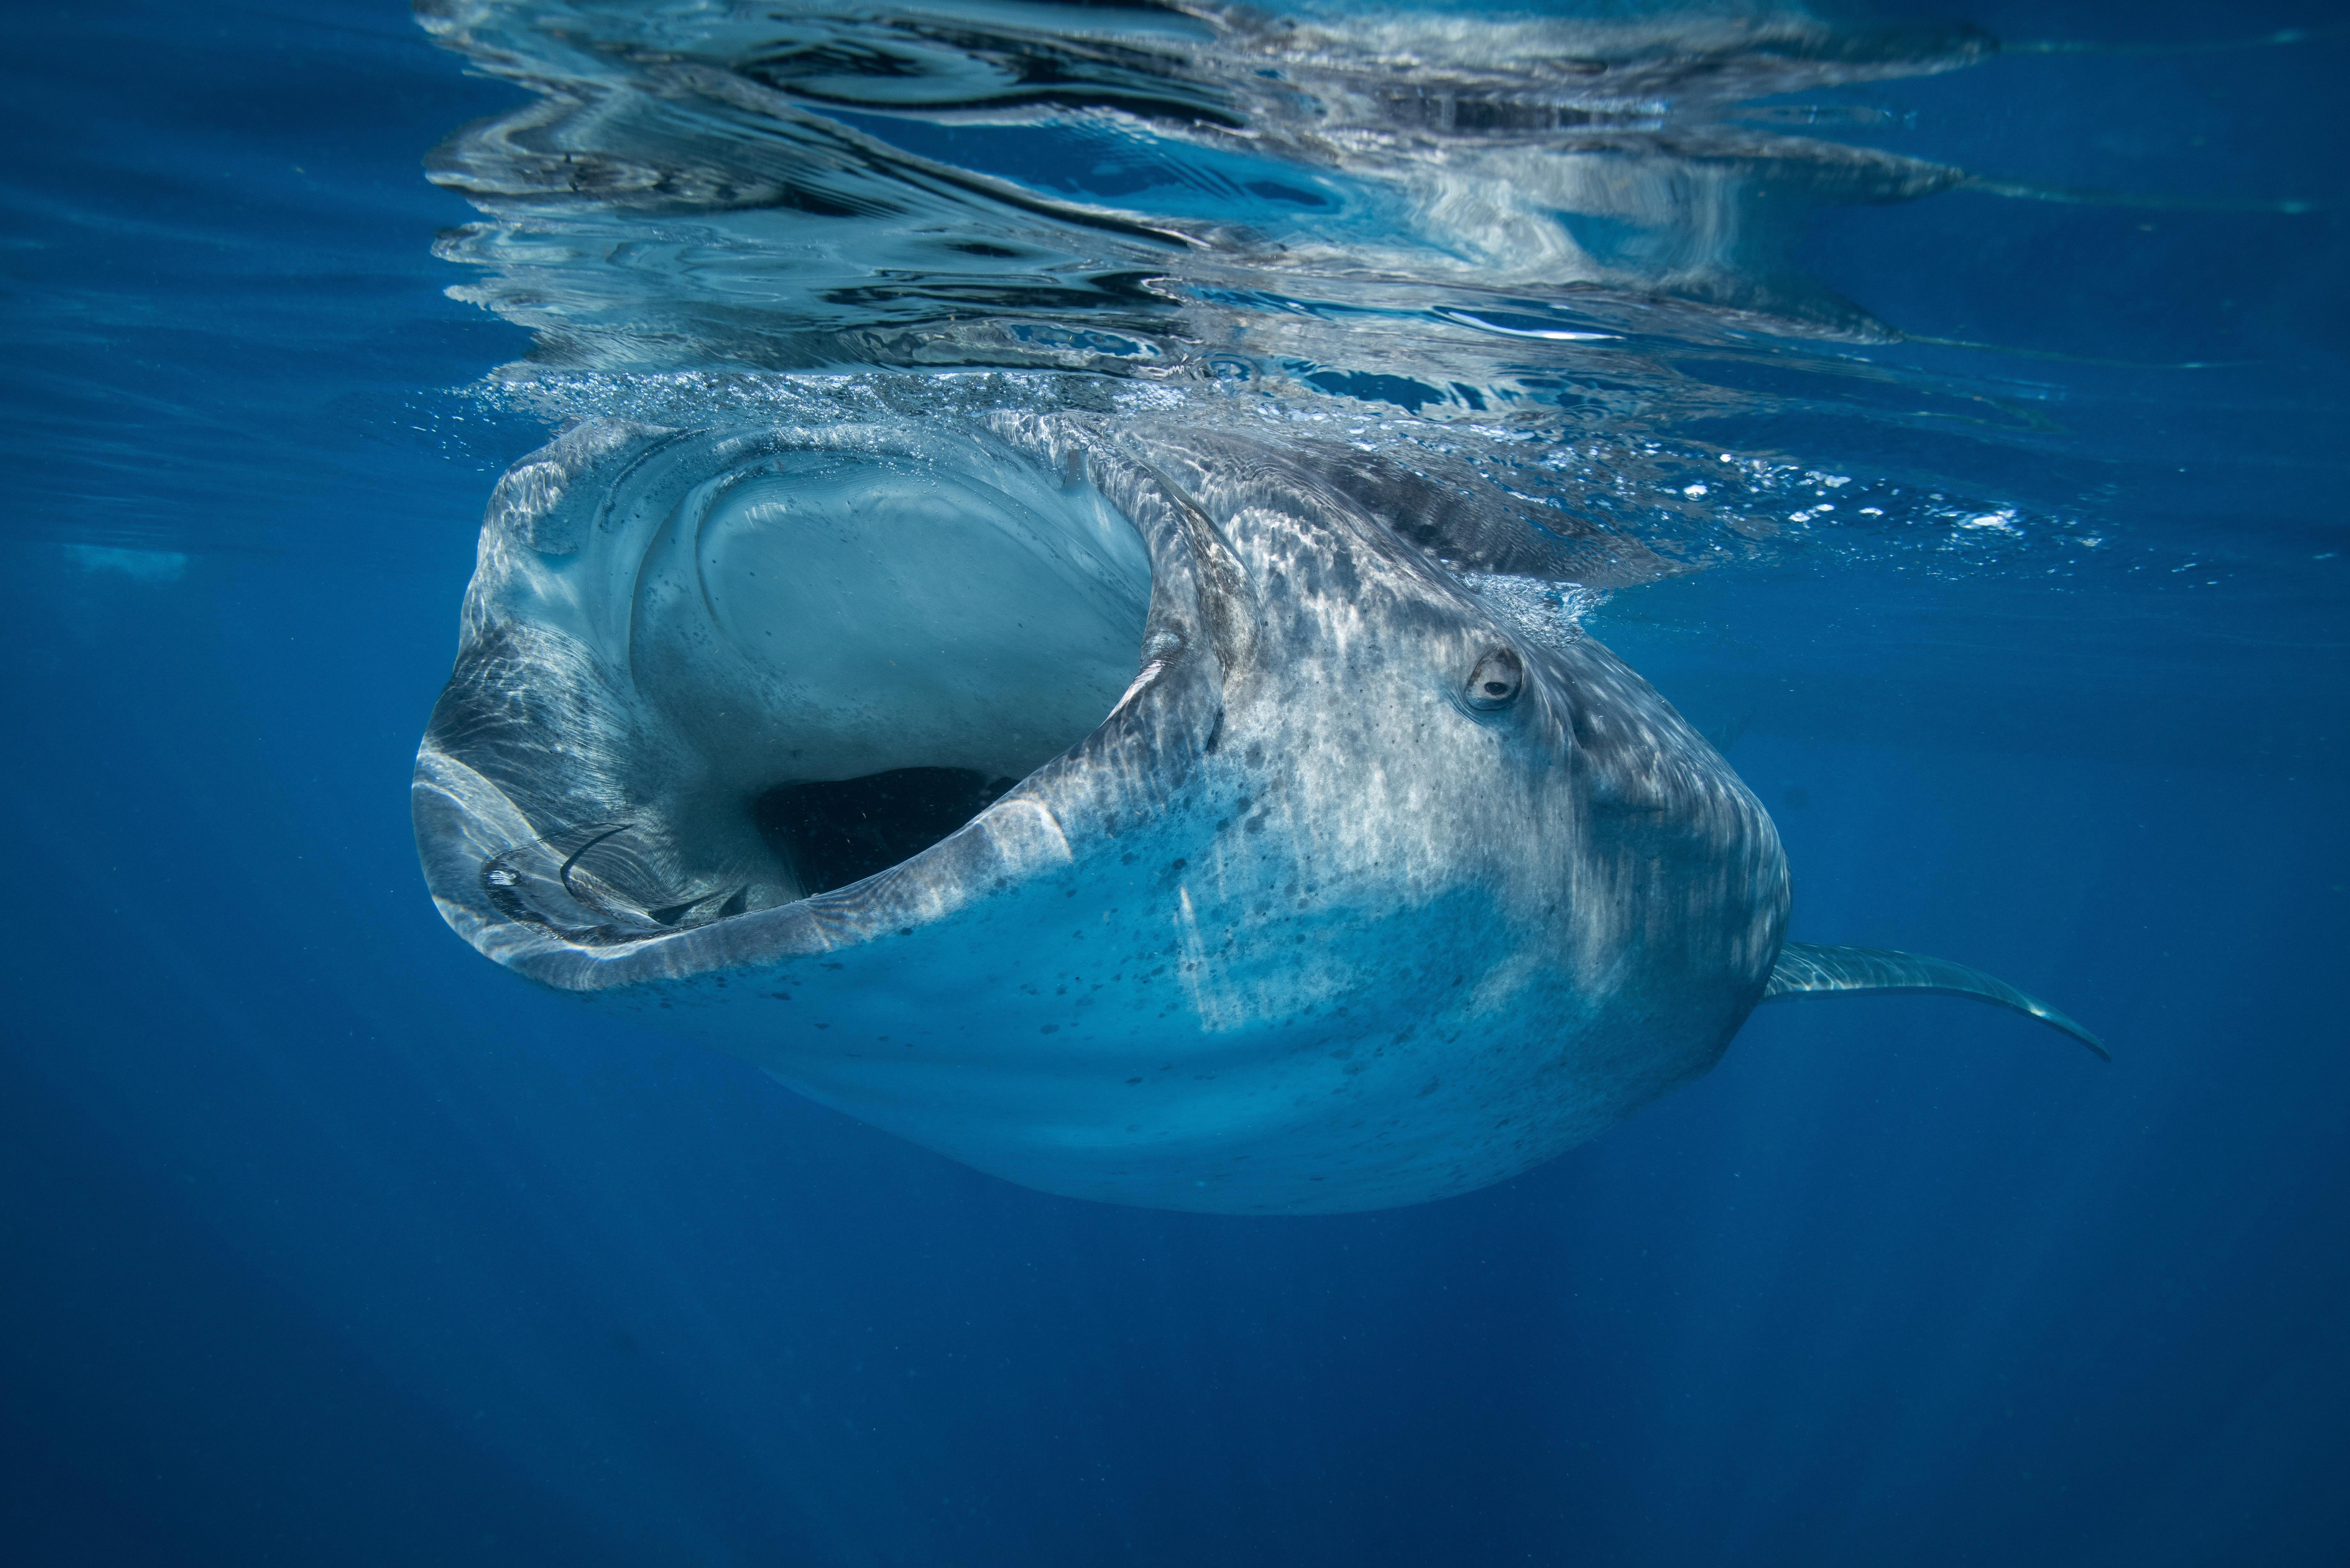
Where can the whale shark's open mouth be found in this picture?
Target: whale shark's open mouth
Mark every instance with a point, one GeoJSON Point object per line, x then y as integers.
{"type": "Point", "coordinates": [756, 670]}
{"type": "Point", "coordinates": [862, 654]}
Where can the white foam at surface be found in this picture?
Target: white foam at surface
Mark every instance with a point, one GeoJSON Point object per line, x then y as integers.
{"type": "Point", "coordinates": [1551, 612]}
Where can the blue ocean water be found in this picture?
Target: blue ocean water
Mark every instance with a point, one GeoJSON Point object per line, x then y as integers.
{"type": "Point", "coordinates": [327, 1242]}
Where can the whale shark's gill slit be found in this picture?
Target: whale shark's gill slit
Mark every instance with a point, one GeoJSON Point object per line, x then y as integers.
{"type": "Point", "coordinates": [843, 831]}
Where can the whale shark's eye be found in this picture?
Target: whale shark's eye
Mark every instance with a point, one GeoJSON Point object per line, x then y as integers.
{"type": "Point", "coordinates": [1496, 681]}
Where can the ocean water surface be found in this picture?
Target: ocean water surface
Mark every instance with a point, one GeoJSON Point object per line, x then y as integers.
{"type": "Point", "coordinates": [1941, 409]}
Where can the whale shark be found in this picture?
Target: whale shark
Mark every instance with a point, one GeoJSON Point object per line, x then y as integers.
{"type": "Point", "coordinates": [1158, 815]}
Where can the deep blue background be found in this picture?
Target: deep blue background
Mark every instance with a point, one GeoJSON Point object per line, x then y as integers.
{"type": "Point", "coordinates": [322, 1240]}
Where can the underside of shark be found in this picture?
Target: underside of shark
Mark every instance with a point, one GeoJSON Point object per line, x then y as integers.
{"type": "Point", "coordinates": [1160, 821]}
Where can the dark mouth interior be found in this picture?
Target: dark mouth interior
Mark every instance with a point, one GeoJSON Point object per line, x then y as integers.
{"type": "Point", "coordinates": [844, 830]}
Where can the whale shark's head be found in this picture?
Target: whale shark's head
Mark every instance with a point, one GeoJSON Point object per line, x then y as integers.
{"type": "Point", "coordinates": [1156, 821]}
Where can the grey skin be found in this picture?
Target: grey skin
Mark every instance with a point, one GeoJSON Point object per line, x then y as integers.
{"type": "Point", "coordinates": [1358, 896]}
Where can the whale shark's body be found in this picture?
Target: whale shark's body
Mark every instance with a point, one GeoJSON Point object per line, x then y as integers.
{"type": "Point", "coordinates": [1358, 896]}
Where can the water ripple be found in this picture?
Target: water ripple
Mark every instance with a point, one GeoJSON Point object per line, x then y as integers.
{"type": "Point", "coordinates": [1549, 261]}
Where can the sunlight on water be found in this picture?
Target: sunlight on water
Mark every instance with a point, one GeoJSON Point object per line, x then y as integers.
{"type": "Point", "coordinates": [1524, 257]}
{"type": "Point", "coordinates": [1412, 199]}
{"type": "Point", "coordinates": [1551, 262]}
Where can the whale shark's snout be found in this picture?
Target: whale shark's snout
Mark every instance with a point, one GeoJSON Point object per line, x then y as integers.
{"type": "Point", "coordinates": [1156, 821]}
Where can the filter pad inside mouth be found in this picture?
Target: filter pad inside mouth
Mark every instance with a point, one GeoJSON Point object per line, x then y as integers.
{"type": "Point", "coordinates": [857, 653]}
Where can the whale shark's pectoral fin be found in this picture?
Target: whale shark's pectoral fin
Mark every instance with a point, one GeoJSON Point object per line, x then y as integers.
{"type": "Point", "coordinates": [1805, 971]}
